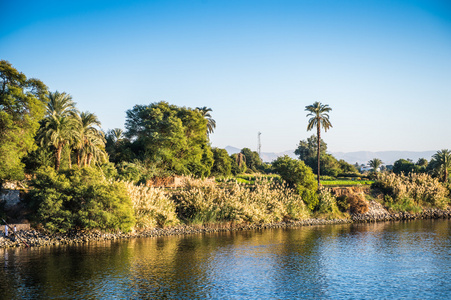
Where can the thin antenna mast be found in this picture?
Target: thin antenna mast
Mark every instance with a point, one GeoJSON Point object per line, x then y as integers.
{"type": "Point", "coordinates": [259, 149]}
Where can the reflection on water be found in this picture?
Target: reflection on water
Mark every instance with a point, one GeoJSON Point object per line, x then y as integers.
{"type": "Point", "coordinates": [361, 261]}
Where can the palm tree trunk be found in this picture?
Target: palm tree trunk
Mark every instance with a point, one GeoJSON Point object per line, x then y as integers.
{"type": "Point", "coordinates": [78, 158]}
{"type": "Point", "coordinates": [318, 151]}
{"type": "Point", "coordinates": [58, 157]}
{"type": "Point", "coordinates": [70, 159]}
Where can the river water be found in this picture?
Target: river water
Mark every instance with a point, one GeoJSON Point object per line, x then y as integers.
{"type": "Point", "coordinates": [392, 260]}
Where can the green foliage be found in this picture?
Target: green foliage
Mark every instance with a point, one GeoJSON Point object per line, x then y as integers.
{"type": "Point", "coordinates": [327, 205]}
{"type": "Point", "coordinates": [441, 164]}
{"type": "Point", "coordinates": [403, 166]}
{"type": "Point", "coordinates": [298, 176]}
{"type": "Point", "coordinates": [329, 165]}
{"type": "Point", "coordinates": [375, 163]}
{"type": "Point", "coordinates": [403, 204]}
{"type": "Point", "coordinates": [222, 165]}
{"type": "Point", "coordinates": [130, 172]}
{"type": "Point", "coordinates": [238, 163]}
{"type": "Point", "coordinates": [174, 138]}
{"type": "Point", "coordinates": [79, 198]}
{"type": "Point", "coordinates": [346, 168]}
{"type": "Point", "coordinates": [346, 182]}
{"type": "Point", "coordinates": [307, 148]}
{"type": "Point", "coordinates": [253, 160]}
{"type": "Point", "coordinates": [21, 107]}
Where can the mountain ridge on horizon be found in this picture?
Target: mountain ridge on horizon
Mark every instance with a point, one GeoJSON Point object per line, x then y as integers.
{"type": "Point", "coordinates": [360, 157]}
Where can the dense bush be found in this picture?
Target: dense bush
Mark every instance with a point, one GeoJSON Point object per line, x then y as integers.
{"type": "Point", "coordinates": [79, 198]}
{"type": "Point", "coordinates": [222, 165]}
{"type": "Point", "coordinates": [298, 176]}
{"type": "Point", "coordinates": [421, 188]}
{"type": "Point", "coordinates": [327, 205]}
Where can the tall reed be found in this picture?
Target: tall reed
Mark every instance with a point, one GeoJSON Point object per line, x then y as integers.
{"type": "Point", "coordinates": [152, 206]}
{"type": "Point", "coordinates": [265, 202]}
{"type": "Point", "coordinates": [421, 188]}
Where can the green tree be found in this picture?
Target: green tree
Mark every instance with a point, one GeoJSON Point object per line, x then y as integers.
{"type": "Point", "coordinates": [375, 163]}
{"type": "Point", "coordinates": [403, 166]}
{"type": "Point", "coordinates": [306, 151]}
{"type": "Point", "coordinates": [238, 163]}
{"type": "Point", "coordinates": [22, 104]}
{"type": "Point", "coordinates": [319, 117]}
{"type": "Point", "coordinates": [299, 176]}
{"type": "Point", "coordinates": [422, 162]}
{"type": "Point", "coordinates": [253, 160]}
{"type": "Point", "coordinates": [90, 140]}
{"type": "Point", "coordinates": [346, 167]}
{"type": "Point", "coordinates": [118, 147]}
{"type": "Point", "coordinates": [172, 137]}
{"type": "Point", "coordinates": [307, 148]}
{"type": "Point", "coordinates": [59, 127]}
{"type": "Point", "coordinates": [211, 123]}
{"type": "Point", "coordinates": [222, 165]}
{"type": "Point", "coordinates": [442, 163]}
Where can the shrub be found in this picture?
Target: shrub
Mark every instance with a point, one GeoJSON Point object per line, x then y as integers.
{"type": "Point", "coordinates": [79, 198]}
{"type": "Point", "coordinates": [357, 204]}
{"type": "Point", "coordinates": [327, 205]}
{"type": "Point", "coordinates": [298, 176]}
{"type": "Point", "coordinates": [128, 171]}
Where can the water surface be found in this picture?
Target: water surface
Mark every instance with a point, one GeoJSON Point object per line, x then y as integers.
{"type": "Point", "coordinates": [410, 260]}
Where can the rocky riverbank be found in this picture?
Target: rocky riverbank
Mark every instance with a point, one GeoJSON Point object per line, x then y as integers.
{"type": "Point", "coordinates": [376, 213]}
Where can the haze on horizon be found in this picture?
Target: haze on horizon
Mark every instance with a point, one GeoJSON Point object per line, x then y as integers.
{"type": "Point", "coordinates": [383, 66]}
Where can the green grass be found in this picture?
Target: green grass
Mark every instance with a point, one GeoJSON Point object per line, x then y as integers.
{"type": "Point", "coordinates": [347, 182]}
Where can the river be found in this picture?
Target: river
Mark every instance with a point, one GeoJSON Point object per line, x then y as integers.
{"type": "Point", "coordinates": [391, 260]}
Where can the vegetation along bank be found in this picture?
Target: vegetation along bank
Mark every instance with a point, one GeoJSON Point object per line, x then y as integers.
{"type": "Point", "coordinates": [77, 182]}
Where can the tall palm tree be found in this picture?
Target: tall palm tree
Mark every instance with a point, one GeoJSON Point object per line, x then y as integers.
{"type": "Point", "coordinates": [319, 117]}
{"type": "Point", "coordinates": [94, 150]}
{"type": "Point", "coordinates": [58, 127]}
{"type": "Point", "coordinates": [211, 125]}
{"type": "Point", "coordinates": [375, 163]}
{"type": "Point", "coordinates": [442, 159]}
{"type": "Point", "coordinates": [89, 138]}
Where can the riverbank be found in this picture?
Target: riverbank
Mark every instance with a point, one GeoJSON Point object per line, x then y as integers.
{"type": "Point", "coordinates": [376, 213]}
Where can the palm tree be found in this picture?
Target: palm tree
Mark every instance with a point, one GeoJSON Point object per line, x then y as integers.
{"type": "Point", "coordinates": [116, 134]}
{"type": "Point", "coordinates": [442, 160]}
{"type": "Point", "coordinates": [375, 163]}
{"type": "Point", "coordinates": [58, 126]}
{"type": "Point", "coordinates": [90, 140]}
{"type": "Point", "coordinates": [319, 118]}
{"type": "Point", "coordinates": [205, 112]}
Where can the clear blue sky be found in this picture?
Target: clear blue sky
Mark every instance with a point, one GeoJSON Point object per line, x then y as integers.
{"type": "Point", "coordinates": [383, 66]}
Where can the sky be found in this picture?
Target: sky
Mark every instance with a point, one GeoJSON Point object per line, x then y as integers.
{"type": "Point", "coordinates": [383, 66]}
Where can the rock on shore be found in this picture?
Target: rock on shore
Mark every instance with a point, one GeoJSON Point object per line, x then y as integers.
{"type": "Point", "coordinates": [376, 213]}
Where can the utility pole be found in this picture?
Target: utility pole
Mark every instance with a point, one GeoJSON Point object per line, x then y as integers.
{"type": "Point", "coordinates": [259, 149]}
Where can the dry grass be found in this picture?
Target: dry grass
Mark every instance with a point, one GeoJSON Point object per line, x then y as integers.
{"type": "Point", "coordinates": [152, 206]}
{"type": "Point", "coordinates": [357, 204]}
{"type": "Point", "coordinates": [265, 202]}
{"type": "Point", "coordinates": [421, 188]}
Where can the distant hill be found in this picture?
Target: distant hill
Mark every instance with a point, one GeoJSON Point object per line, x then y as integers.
{"type": "Point", "coordinates": [387, 157]}
{"type": "Point", "coordinates": [361, 157]}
